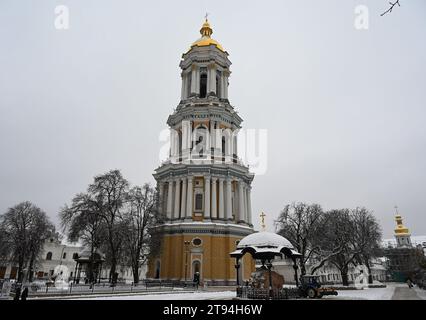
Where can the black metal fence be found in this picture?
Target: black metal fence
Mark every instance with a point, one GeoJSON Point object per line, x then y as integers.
{"type": "Point", "coordinates": [41, 289]}
{"type": "Point", "coordinates": [266, 294]}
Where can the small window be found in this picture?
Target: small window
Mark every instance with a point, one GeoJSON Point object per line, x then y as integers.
{"type": "Point", "coordinates": [199, 201]}
{"type": "Point", "coordinates": [64, 255]}
{"type": "Point", "coordinates": [196, 242]}
{"type": "Point", "coordinates": [75, 255]}
{"type": "Point", "coordinates": [49, 256]}
{"type": "Point", "coordinates": [203, 85]}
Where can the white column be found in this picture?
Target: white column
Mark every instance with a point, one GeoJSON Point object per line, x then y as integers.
{"type": "Point", "coordinates": [221, 199]}
{"type": "Point", "coordinates": [189, 194]}
{"type": "Point", "coordinates": [228, 199]}
{"type": "Point", "coordinates": [206, 198]}
{"type": "Point", "coordinates": [249, 205]}
{"type": "Point", "coordinates": [183, 207]}
{"type": "Point", "coordinates": [214, 199]}
{"type": "Point", "coordinates": [223, 84]}
{"type": "Point", "coordinates": [225, 87]}
{"type": "Point", "coordinates": [161, 196]}
{"type": "Point", "coordinates": [169, 199]}
{"type": "Point", "coordinates": [241, 216]}
{"type": "Point", "coordinates": [194, 79]}
{"type": "Point", "coordinates": [212, 78]}
{"type": "Point", "coordinates": [197, 81]}
{"type": "Point", "coordinates": [176, 212]}
{"type": "Point", "coordinates": [182, 92]}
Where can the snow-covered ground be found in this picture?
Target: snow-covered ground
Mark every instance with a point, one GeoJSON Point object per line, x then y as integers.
{"type": "Point", "coordinates": [365, 294]}
{"type": "Point", "coordinates": [420, 293]}
{"type": "Point", "coordinates": [201, 295]}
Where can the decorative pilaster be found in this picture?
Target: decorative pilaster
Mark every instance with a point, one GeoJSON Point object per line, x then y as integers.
{"type": "Point", "coordinates": [176, 211]}
{"type": "Point", "coordinates": [214, 199]}
{"type": "Point", "coordinates": [194, 77]}
{"type": "Point", "coordinates": [161, 196]}
{"type": "Point", "coordinates": [212, 79]}
{"type": "Point", "coordinates": [249, 205]}
{"type": "Point", "coordinates": [169, 199]}
{"type": "Point", "coordinates": [228, 199]}
{"type": "Point", "coordinates": [183, 206]}
{"type": "Point", "coordinates": [189, 195]}
{"type": "Point", "coordinates": [207, 198]}
{"type": "Point", "coordinates": [241, 206]}
{"type": "Point", "coordinates": [221, 199]}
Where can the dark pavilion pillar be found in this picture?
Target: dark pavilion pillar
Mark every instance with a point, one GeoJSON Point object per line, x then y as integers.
{"type": "Point", "coordinates": [237, 270]}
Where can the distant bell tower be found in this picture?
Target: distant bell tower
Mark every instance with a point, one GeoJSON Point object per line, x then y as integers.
{"type": "Point", "coordinates": [204, 188]}
{"type": "Point", "coordinates": [402, 234]}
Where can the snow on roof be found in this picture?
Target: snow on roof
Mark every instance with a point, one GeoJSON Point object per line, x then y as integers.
{"type": "Point", "coordinates": [264, 239]}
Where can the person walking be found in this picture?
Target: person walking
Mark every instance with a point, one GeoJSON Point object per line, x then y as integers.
{"type": "Point", "coordinates": [409, 283]}
{"type": "Point", "coordinates": [24, 294]}
{"type": "Point", "coordinates": [17, 292]}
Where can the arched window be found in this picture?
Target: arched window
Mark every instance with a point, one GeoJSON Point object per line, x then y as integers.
{"type": "Point", "coordinates": [200, 139]}
{"type": "Point", "coordinates": [49, 256]}
{"type": "Point", "coordinates": [203, 85]}
{"type": "Point", "coordinates": [196, 267]}
{"type": "Point", "coordinates": [75, 255]}
{"type": "Point", "coordinates": [199, 202]}
{"type": "Point", "coordinates": [64, 255]}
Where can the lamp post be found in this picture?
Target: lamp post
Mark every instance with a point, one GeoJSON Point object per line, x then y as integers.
{"type": "Point", "coordinates": [186, 244]}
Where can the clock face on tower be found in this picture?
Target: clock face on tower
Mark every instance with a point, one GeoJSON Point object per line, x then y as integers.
{"type": "Point", "coordinates": [204, 187]}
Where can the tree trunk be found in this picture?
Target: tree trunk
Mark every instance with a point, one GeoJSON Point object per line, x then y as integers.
{"type": "Point", "coordinates": [20, 269]}
{"type": "Point", "coordinates": [302, 269]}
{"type": "Point", "coordinates": [344, 274]}
{"type": "Point", "coordinates": [112, 276]}
{"type": "Point", "coordinates": [30, 269]}
{"type": "Point", "coordinates": [135, 273]}
{"type": "Point", "coordinates": [91, 265]}
{"type": "Point", "coordinates": [370, 276]}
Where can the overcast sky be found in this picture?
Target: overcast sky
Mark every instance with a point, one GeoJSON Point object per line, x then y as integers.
{"type": "Point", "coordinates": [344, 108]}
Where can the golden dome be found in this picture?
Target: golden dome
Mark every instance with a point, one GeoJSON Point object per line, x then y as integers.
{"type": "Point", "coordinates": [400, 228]}
{"type": "Point", "coordinates": [206, 40]}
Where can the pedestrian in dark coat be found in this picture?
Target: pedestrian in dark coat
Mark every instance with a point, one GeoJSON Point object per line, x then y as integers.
{"type": "Point", "coordinates": [24, 294]}
{"type": "Point", "coordinates": [17, 293]}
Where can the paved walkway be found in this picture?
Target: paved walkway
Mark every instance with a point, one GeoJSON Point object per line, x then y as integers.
{"type": "Point", "coordinates": [405, 293]}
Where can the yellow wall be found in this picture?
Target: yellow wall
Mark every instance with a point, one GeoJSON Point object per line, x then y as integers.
{"type": "Point", "coordinates": [216, 264]}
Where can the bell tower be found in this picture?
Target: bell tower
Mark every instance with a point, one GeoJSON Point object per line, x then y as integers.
{"type": "Point", "coordinates": [402, 233]}
{"type": "Point", "coordinates": [204, 188]}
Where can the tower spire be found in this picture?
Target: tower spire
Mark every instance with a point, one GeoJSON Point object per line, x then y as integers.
{"type": "Point", "coordinates": [206, 30]}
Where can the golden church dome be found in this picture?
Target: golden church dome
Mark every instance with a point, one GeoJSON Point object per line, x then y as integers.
{"type": "Point", "coordinates": [400, 228]}
{"type": "Point", "coordinates": [206, 40]}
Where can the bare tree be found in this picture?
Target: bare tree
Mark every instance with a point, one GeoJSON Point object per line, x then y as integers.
{"type": "Point", "coordinates": [337, 242]}
{"type": "Point", "coordinates": [25, 228]}
{"type": "Point", "coordinates": [302, 224]}
{"type": "Point", "coordinates": [139, 218]}
{"type": "Point", "coordinates": [366, 237]}
{"type": "Point", "coordinates": [109, 191]}
{"type": "Point", "coordinates": [83, 221]}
